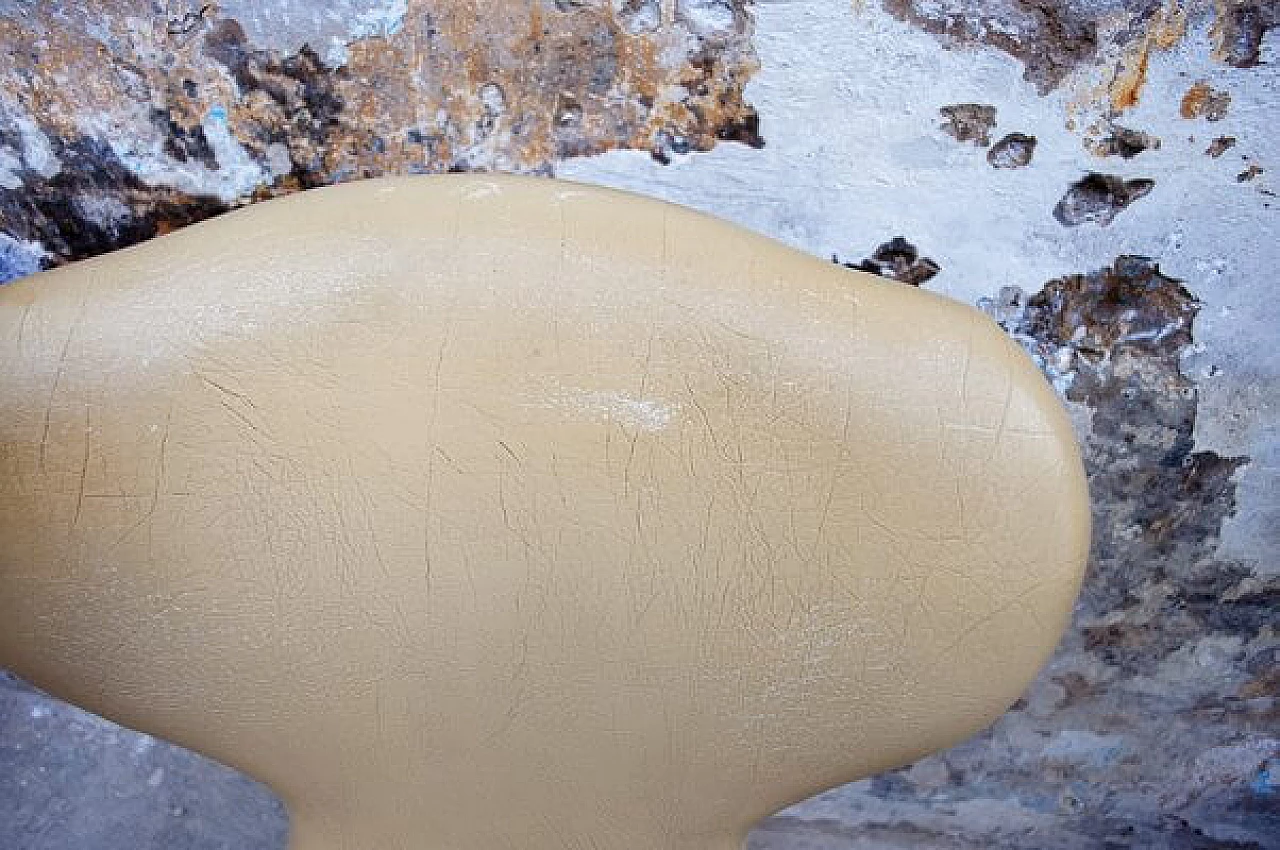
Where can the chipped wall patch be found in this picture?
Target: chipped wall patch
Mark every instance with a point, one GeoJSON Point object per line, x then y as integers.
{"type": "Point", "coordinates": [1014, 150]}
{"type": "Point", "coordinates": [898, 260]}
{"type": "Point", "coordinates": [1220, 145]}
{"type": "Point", "coordinates": [969, 122]}
{"type": "Point", "coordinates": [1099, 198]}
{"type": "Point", "coordinates": [1116, 140]}
{"type": "Point", "coordinates": [1252, 171]}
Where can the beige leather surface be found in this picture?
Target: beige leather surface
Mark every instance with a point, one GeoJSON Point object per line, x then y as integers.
{"type": "Point", "coordinates": [476, 513]}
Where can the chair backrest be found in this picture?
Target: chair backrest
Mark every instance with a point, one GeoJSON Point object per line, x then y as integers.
{"type": "Point", "coordinates": [480, 512]}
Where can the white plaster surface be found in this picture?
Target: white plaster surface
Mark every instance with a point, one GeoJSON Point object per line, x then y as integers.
{"type": "Point", "coordinates": [327, 27]}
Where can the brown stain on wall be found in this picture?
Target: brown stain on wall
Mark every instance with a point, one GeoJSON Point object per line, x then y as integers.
{"type": "Point", "coordinates": [1204, 101]}
{"type": "Point", "coordinates": [1131, 76]}
{"type": "Point", "coordinates": [1162, 31]}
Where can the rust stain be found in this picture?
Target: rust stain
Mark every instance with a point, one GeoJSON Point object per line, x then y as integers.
{"type": "Point", "coordinates": [1128, 40]}
{"type": "Point", "coordinates": [1170, 27]}
{"type": "Point", "coordinates": [1163, 31]}
{"type": "Point", "coordinates": [1126, 89]}
{"type": "Point", "coordinates": [1204, 101]}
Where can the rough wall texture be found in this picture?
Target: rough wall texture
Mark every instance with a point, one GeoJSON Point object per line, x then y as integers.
{"type": "Point", "coordinates": [121, 120]}
{"type": "Point", "coordinates": [1097, 174]}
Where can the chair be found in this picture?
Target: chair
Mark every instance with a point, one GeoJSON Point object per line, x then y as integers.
{"type": "Point", "coordinates": [476, 513]}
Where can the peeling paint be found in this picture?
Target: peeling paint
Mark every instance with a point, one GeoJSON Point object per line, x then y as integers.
{"type": "Point", "coordinates": [969, 122]}
{"type": "Point", "coordinates": [1220, 145]}
{"type": "Point", "coordinates": [1099, 198]}
{"type": "Point", "coordinates": [1124, 142]}
{"type": "Point", "coordinates": [898, 260]}
{"type": "Point", "coordinates": [1012, 151]}
{"type": "Point", "coordinates": [1252, 171]}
